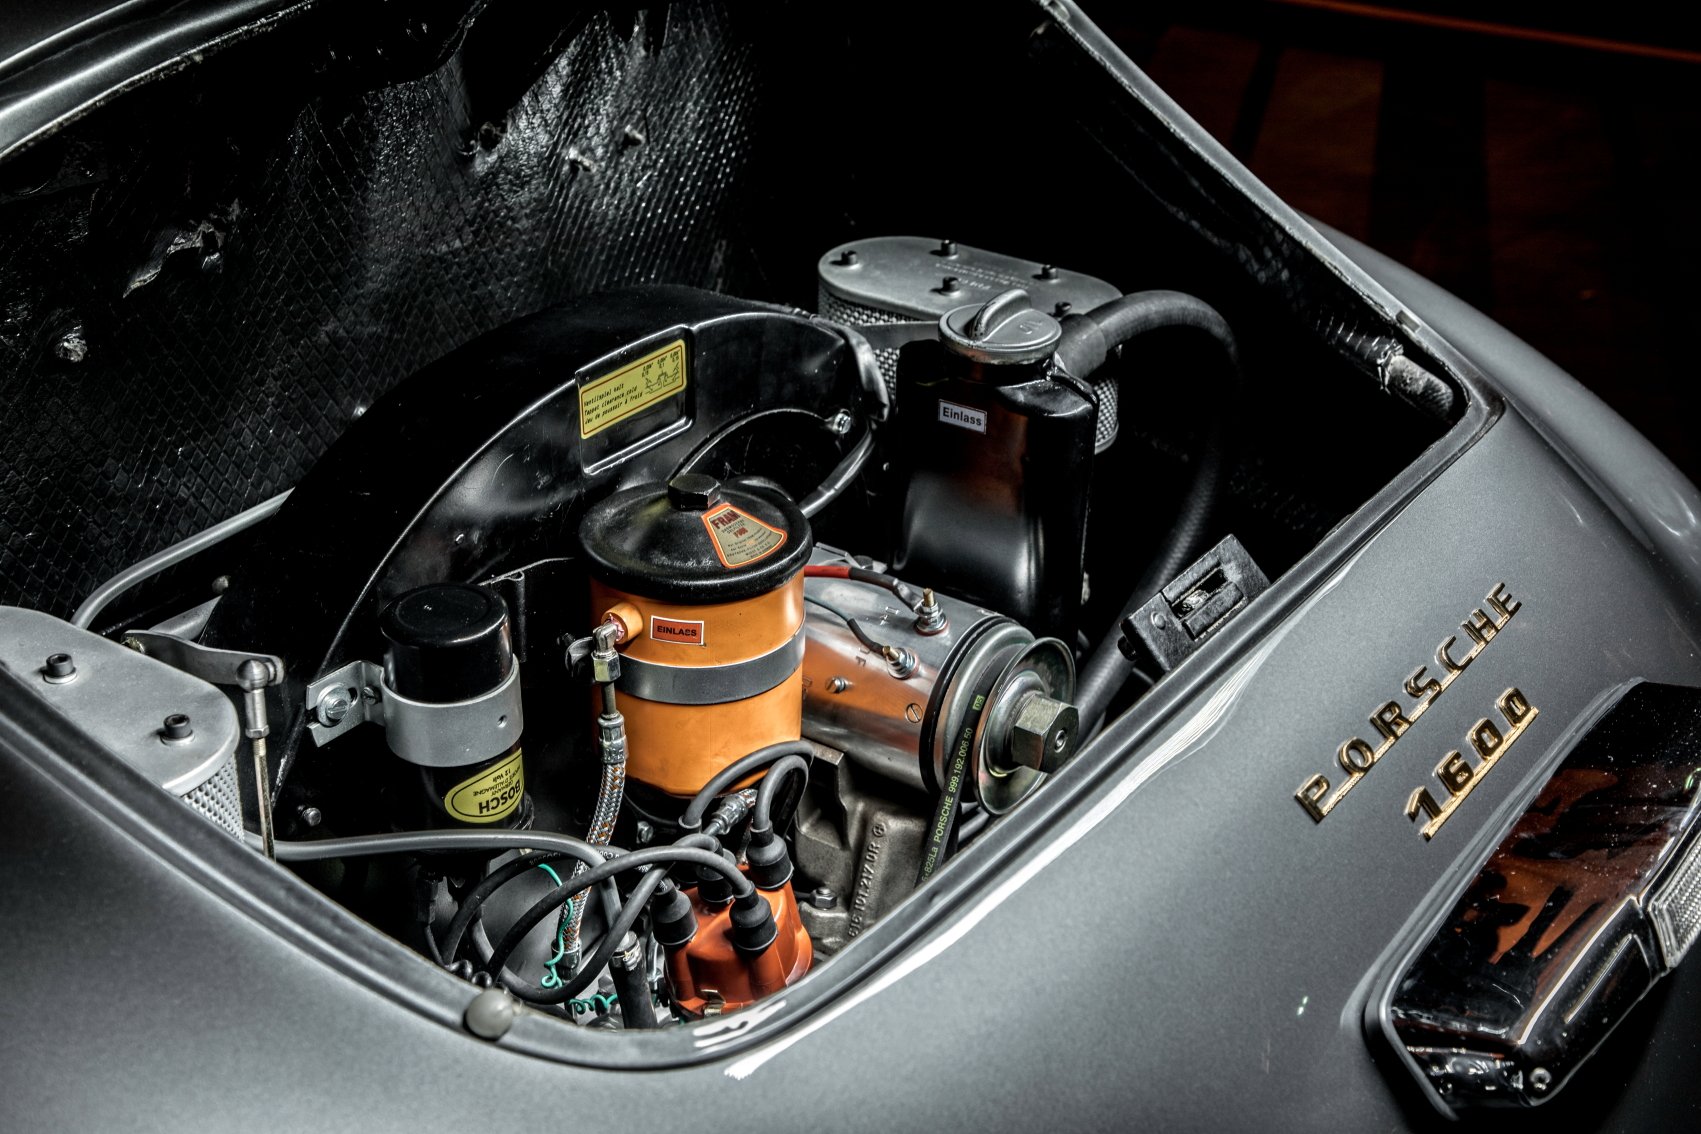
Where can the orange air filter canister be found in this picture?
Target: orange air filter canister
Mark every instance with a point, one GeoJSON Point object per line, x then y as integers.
{"type": "Point", "coordinates": [706, 583]}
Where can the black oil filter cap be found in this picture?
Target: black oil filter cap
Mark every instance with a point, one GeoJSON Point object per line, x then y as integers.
{"type": "Point", "coordinates": [695, 540]}
{"type": "Point", "coordinates": [447, 642]}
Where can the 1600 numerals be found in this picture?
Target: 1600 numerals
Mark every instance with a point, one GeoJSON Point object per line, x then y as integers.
{"type": "Point", "coordinates": [1457, 775]}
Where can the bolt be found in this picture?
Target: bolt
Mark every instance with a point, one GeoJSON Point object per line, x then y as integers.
{"type": "Point", "coordinates": [847, 258]}
{"type": "Point", "coordinates": [912, 713]}
{"type": "Point", "coordinates": [221, 584]}
{"type": "Point", "coordinates": [176, 728]}
{"type": "Point", "coordinates": [1047, 272]}
{"type": "Point", "coordinates": [1541, 1079]}
{"type": "Point", "coordinates": [1063, 308]}
{"type": "Point", "coordinates": [947, 248]}
{"type": "Point", "coordinates": [311, 816]}
{"type": "Point", "coordinates": [633, 136]}
{"type": "Point", "coordinates": [837, 685]}
{"type": "Point", "coordinates": [823, 898]}
{"type": "Point", "coordinates": [645, 833]}
{"type": "Point", "coordinates": [929, 616]}
{"type": "Point", "coordinates": [59, 668]}
{"type": "Point", "coordinates": [840, 423]}
{"type": "Point", "coordinates": [950, 286]}
{"type": "Point", "coordinates": [334, 705]}
{"type": "Point", "coordinates": [901, 662]}
{"type": "Point", "coordinates": [1042, 735]}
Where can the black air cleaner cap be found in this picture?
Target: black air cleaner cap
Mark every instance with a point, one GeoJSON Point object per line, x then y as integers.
{"type": "Point", "coordinates": [695, 540]}
{"type": "Point", "coordinates": [446, 642]}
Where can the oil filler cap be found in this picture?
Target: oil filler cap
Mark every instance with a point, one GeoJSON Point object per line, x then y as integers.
{"type": "Point", "coordinates": [1005, 329]}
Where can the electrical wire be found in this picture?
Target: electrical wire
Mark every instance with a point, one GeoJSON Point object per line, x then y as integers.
{"type": "Point", "coordinates": [762, 816]}
{"type": "Point", "coordinates": [721, 781]}
{"type": "Point", "coordinates": [905, 594]}
{"type": "Point", "coordinates": [862, 635]}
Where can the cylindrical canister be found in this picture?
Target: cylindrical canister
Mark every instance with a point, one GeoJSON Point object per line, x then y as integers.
{"type": "Point", "coordinates": [452, 701]}
{"type": "Point", "coordinates": [706, 583]}
{"type": "Point", "coordinates": [968, 677]}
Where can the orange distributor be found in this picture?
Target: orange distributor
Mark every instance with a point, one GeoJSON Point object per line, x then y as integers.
{"type": "Point", "coordinates": [706, 584]}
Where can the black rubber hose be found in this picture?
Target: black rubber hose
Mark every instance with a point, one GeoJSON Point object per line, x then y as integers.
{"type": "Point", "coordinates": [633, 987]}
{"type": "Point", "coordinates": [763, 819]}
{"type": "Point", "coordinates": [1087, 341]}
{"type": "Point", "coordinates": [692, 819]}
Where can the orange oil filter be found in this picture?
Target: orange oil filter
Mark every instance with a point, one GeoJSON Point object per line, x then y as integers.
{"type": "Point", "coordinates": [706, 583]}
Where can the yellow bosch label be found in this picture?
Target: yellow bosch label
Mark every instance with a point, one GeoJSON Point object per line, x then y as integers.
{"type": "Point", "coordinates": [491, 795]}
{"type": "Point", "coordinates": [632, 389]}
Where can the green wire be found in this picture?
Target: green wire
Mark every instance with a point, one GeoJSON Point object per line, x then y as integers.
{"type": "Point", "coordinates": [552, 979]}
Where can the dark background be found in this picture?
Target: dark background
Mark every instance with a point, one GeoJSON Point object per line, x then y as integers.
{"type": "Point", "coordinates": [1540, 164]}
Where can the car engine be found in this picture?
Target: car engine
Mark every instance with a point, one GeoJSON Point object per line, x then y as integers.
{"type": "Point", "coordinates": [636, 641]}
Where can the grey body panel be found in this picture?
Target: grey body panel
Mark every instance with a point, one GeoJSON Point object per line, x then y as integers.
{"type": "Point", "coordinates": [1202, 948]}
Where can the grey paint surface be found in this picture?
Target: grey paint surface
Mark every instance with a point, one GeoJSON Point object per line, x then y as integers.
{"type": "Point", "coordinates": [1186, 928]}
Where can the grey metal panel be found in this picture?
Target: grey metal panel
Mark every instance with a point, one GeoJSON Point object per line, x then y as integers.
{"type": "Point", "coordinates": [1185, 944]}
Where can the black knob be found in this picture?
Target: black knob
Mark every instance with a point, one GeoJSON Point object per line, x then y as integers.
{"type": "Point", "coordinates": [692, 492]}
{"type": "Point", "coordinates": [177, 727]}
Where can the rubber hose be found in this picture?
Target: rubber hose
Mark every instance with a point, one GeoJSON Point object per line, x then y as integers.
{"type": "Point", "coordinates": [1087, 341]}
{"type": "Point", "coordinates": [692, 819]}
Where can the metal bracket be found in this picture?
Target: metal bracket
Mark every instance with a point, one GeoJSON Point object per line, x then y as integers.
{"type": "Point", "coordinates": [345, 698]}
{"type": "Point", "coordinates": [220, 667]}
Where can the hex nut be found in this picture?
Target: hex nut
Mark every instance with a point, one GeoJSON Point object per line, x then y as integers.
{"type": "Point", "coordinates": [1043, 734]}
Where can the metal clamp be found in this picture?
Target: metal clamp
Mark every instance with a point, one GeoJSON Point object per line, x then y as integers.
{"type": "Point", "coordinates": [711, 684]}
{"type": "Point", "coordinates": [431, 735]}
{"type": "Point", "coordinates": [456, 734]}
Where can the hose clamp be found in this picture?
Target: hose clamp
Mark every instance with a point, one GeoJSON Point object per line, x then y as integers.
{"type": "Point", "coordinates": [711, 684]}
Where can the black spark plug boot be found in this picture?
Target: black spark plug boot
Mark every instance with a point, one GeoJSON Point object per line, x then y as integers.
{"type": "Point", "coordinates": [753, 928]}
{"type": "Point", "coordinates": [770, 863]}
{"type": "Point", "coordinates": [714, 888]}
{"type": "Point", "coordinates": [675, 922]}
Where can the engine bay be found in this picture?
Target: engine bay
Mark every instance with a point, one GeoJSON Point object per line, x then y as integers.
{"type": "Point", "coordinates": [653, 635]}
{"type": "Point", "coordinates": [681, 638]}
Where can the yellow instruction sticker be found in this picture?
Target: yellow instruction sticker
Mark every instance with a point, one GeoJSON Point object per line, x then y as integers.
{"type": "Point", "coordinates": [490, 795]}
{"type": "Point", "coordinates": [739, 537]}
{"type": "Point", "coordinates": [632, 389]}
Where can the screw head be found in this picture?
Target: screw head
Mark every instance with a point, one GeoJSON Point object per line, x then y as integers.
{"type": "Point", "coordinates": [59, 668]}
{"type": "Point", "coordinates": [1047, 272]}
{"type": "Point", "coordinates": [950, 285]}
{"type": "Point", "coordinates": [311, 816]}
{"type": "Point", "coordinates": [847, 258]}
{"type": "Point", "coordinates": [645, 833]}
{"type": "Point", "coordinates": [1541, 1079]}
{"type": "Point", "coordinates": [176, 727]}
{"type": "Point", "coordinates": [947, 248]}
{"type": "Point", "coordinates": [823, 898]}
{"type": "Point", "coordinates": [333, 707]}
